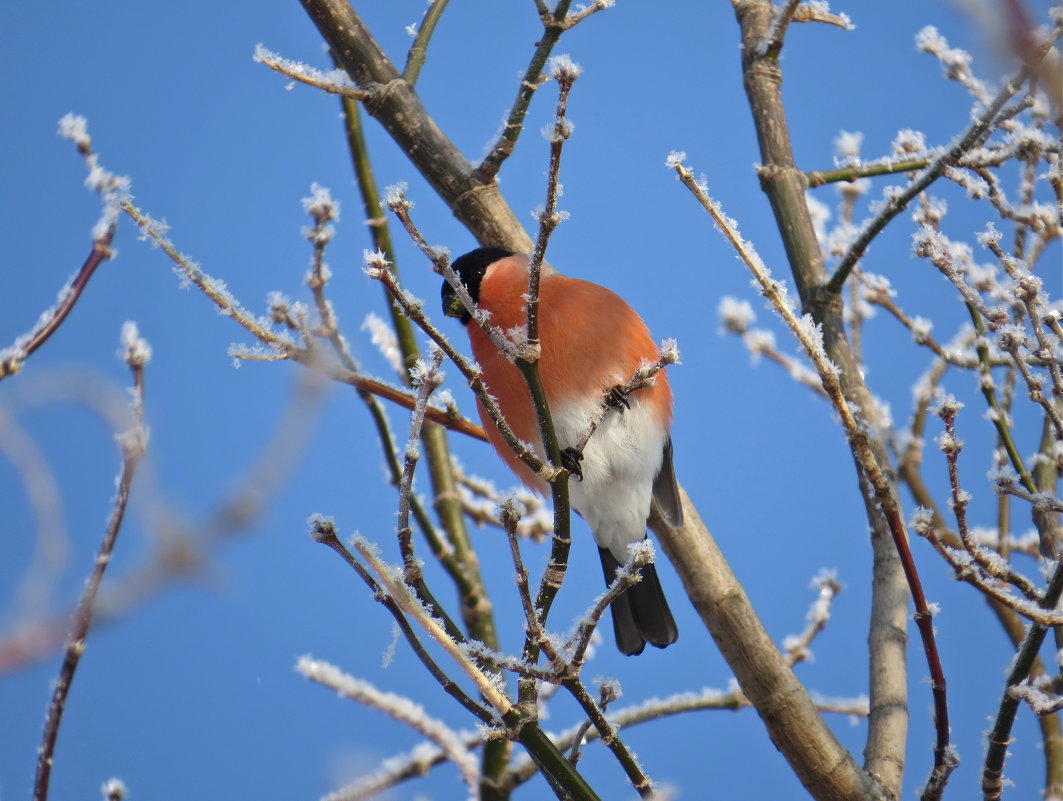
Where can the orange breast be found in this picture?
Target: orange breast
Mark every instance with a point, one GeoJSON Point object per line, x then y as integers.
{"type": "Point", "coordinates": [591, 340]}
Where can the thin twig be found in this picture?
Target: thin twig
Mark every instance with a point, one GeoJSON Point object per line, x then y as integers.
{"type": "Point", "coordinates": [377, 268]}
{"type": "Point", "coordinates": [565, 73]}
{"type": "Point", "coordinates": [133, 443]}
{"type": "Point", "coordinates": [112, 189]}
{"type": "Point", "coordinates": [399, 708]}
{"type": "Point", "coordinates": [335, 82]}
{"type": "Point", "coordinates": [419, 49]}
{"type": "Point", "coordinates": [430, 378]}
{"type": "Point", "coordinates": [1000, 734]}
{"type": "Point", "coordinates": [553, 27]}
{"type": "Point", "coordinates": [323, 530]}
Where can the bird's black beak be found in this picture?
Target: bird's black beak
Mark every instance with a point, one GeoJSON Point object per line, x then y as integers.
{"type": "Point", "coordinates": [452, 306]}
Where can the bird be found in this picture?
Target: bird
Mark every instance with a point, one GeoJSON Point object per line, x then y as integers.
{"type": "Point", "coordinates": [592, 343]}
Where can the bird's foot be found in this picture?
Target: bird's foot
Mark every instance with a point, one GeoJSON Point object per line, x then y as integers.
{"type": "Point", "coordinates": [617, 398]}
{"type": "Point", "coordinates": [570, 460]}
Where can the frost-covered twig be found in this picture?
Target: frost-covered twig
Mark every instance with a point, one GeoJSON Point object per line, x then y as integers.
{"type": "Point", "coordinates": [283, 346]}
{"type": "Point", "coordinates": [510, 518]}
{"type": "Point", "coordinates": [989, 563]}
{"type": "Point", "coordinates": [429, 377]}
{"type": "Point", "coordinates": [1006, 484]}
{"type": "Point", "coordinates": [334, 81]}
{"type": "Point", "coordinates": [399, 708]}
{"type": "Point", "coordinates": [489, 686]}
{"type": "Point", "coordinates": [973, 137]}
{"type": "Point", "coordinates": [112, 190]}
{"type": "Point", "coordinates": [213, 288]}
{"type": "Point", "coordinates": [866, 169]}
{"type": "Point", "coordinates": [14, 356]}
{"type": "Point", "coordinates": [136, 353]}
{"type": "Point", "coordinates": [989, 156]}
{"type": "Point", "coordinates": [391, 582]}
{"type": "Point", "coordinates": [811, 338]}
{"type": "Point", "coordinates": [419, 760]}
{"type": "Point", "coordinates": [1041, 702]}
{"type": "Point", "coordinates": [797, 645]}
{"type": "Point", "coordinates": [554, 24]}
{"type": "Point", "coordinates": [966, 569]}
{"type": "Point", "coordinates": [610, 735]}
{"type": "Point", "coordinates": [798, 11]}
{"type": "Point", "coordinates": [582, 13]}
{"type": "Point", "coordinates": [643, 377]}
{"type": "Point", "coordinates": [323, 530]}
{"type": "Point", "coordinates": [377, 268]}
{"type": "Point", "coordinates": [325, 210]}
{"type": "Point", "coordinates": [737, 317]}
{"type": "Point", "coordinates": [999, 738]}
{"type": "Point", "coordinates": [639, 554]}
{"type": "Point", "coordinates": [955, 62]}
{"type": "Point", "coordinates": [481, 501]}
{"type": "Point", "coordinates": [400, 206]}
{"type": "Point", "coordinates": [565, 72]}
{"type": "Point", "coordinates": [678, 703]}
{"type": "Point", "coordinates": [608, 691]}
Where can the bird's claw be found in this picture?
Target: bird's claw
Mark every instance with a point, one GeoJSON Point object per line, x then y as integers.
{"type": "Point", "coordinates": [570, 460]}
{"type": "Point", "coordinates": [617, 398]}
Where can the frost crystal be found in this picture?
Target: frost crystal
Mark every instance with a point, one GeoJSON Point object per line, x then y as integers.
{"type": "Point", "coordinates": [736, 315]}
{"type": "Point", "coordinates": [135, 349]}
{"type": "Point", "coordinates": [75, 128]}
{"type": "Point", "coordinates": [908, 141]}
{"type": "Point", "coordinates": [675, 159]}
{"type": "Point", "coordinates": [113, 790]}
{"type": "Point", "coordinates": [320, 204]}
{"type": "Point", "coordinates": [383, 336]}
{"type": "Point", "coordinates": [847, 147]}
{"type": "Point", "coordinates": [562, 67]}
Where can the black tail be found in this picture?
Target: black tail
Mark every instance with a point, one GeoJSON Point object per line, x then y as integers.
{"type": "Point", "coordinates": [640, 613]}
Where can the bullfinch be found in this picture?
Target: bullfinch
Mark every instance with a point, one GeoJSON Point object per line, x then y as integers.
{"type": "Point", "coordinates": [592, 343]}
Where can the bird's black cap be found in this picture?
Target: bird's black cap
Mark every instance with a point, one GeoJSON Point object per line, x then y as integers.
{"type": "Point", "coordinates": [470, 269]}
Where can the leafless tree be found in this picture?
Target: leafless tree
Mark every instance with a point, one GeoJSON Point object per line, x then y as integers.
{"type": "Point", "coordinates": [1006, 157]}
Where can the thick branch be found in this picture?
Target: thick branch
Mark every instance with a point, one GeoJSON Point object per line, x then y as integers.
{"type": "Point", "coordinates": [393, 102]}
{"type": "Point", "coordinates": [794, 724]}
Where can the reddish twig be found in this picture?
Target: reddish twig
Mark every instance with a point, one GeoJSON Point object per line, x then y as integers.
{"type": "Point", "coordinates": [18, 353]}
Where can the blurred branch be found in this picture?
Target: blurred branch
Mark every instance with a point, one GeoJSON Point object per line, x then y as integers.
{"type": "Point", "coordinates": [181, 547]}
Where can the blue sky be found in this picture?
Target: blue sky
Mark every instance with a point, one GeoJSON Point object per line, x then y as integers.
{"type": "Point", "coordinates": [193, 692]}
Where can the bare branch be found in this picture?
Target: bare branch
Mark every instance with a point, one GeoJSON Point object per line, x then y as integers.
{"type": "Point", "coordinates": [334, 82]}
